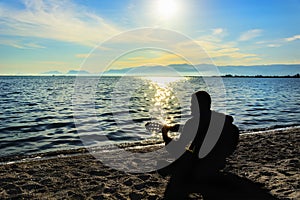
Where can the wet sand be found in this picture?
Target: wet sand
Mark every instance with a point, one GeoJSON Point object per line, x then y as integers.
{"type": "Point", "coordinates": [266, 164]}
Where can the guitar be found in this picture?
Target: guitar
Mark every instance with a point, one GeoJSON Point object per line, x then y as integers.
{"type": "Point", "coordinates": [154, 127]}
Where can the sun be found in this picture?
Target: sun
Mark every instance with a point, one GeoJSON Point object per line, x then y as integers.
{"type": "Point", "coordinates": [166, 8]}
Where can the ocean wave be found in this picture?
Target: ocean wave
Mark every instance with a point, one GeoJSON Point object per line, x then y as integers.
{"type": "Point", "coordinates": [18, 158]}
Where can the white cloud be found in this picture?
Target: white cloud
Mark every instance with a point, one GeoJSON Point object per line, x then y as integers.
{"type": "Point", "coordinates": [218, 31]}
{"type": "Point", "coordinates": [20, 44]}
{"type": "Point", "coordinates": [82, 55]}
{"type": "Point", "coordinates": [58, 20]}
{"type": "Point", "coordinates": [270, 43]}
{"type": "Point", "coordinates": [250, 34]}
{"type": "Point", "coordinates": [217, 49]}
{"type": "Point", "coordinates": [220, 51]}
{"type": "Point", "coordinates": [290, 39]}
{"type": "Point", "coordinates": [273, 45]}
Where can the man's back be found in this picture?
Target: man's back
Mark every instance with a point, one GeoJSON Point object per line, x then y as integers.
{"type": "Point", "coordinates": [225, 138]}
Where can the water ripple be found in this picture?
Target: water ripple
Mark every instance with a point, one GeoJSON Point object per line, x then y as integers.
{"type": "Point", "coordinates": [37, 112]}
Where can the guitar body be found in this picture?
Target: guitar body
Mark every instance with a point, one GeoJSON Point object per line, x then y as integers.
{"type": "Point", "coordinates": [154, 127]}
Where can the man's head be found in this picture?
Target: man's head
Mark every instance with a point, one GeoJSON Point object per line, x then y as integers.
{"type": "Point", "coordinates": [201, 102]}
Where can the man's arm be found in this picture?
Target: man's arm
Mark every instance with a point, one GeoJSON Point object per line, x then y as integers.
{"type": "Point", "coordinates": [174, 128]}
{"type": "Point", "coordinates": [165, 131]}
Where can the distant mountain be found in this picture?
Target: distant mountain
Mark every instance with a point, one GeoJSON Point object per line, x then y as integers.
{"type": "Point", "coordinates": [207, 70]}
{"type": "Point", "coordinates": [52, 72]}
{"type": "Point", "coordinates": [159, 70]}
{"type": "Point", "coordinates": [75, 72]}
{"type": "Point", "coordinates": [264, 70]}
{"type": "Point", "coordinates": [197, 70]}
{"type": "Point", "coordinates": [70, 72]}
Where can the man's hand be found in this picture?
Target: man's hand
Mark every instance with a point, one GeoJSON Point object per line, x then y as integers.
{"type": "Point", "coordinates": [165, 129]}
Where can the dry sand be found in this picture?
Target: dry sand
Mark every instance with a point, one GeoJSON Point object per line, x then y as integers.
{"type": "Point", "coordinates": [266, 162]}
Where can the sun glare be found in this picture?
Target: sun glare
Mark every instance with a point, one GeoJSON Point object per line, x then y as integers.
{"type": "Point", "coordinates": [166, 8]}
{"type": "Point", "coordinates": [164, 97]}
{"type": "Point", "coordinates": [164, 81]}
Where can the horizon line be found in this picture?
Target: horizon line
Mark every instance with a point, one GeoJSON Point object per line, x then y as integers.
{"type": "Point", "coordinates": [99, 73]}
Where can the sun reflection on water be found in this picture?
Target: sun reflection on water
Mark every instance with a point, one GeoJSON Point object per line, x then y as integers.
{"type": "Point", "coordinates": [164, 81]}
{"type": "Point", "coordinates": [164, 98]}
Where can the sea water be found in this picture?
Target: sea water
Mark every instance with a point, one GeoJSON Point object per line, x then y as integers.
{"type": "Point", "coordinates": [44, 113]}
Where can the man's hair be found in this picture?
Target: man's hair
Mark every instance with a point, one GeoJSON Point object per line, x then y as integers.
{"type": "Point", "coordinates": [203, 99]}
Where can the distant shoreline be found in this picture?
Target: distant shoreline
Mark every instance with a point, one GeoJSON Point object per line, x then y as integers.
{"type": "Point", "coordinates": [260, 76]}
{"type": "Point", "coordinates": [96, 75]}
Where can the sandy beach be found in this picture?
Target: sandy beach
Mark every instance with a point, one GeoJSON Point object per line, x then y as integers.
{"type": "Point", "coordinates": [266, 164]}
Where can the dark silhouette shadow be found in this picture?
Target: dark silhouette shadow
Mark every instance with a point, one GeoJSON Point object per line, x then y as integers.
{"type": "Point", "coordinates": [195, 171]}
{"type": "Point", "coordinates": [218, 186]}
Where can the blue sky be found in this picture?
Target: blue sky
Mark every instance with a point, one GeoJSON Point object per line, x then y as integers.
{"type": "Point", "coordinates": [45, 35]}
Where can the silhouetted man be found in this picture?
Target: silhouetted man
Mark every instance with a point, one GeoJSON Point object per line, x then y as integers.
{"type": "Point", "coordinates": [211, 138]}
